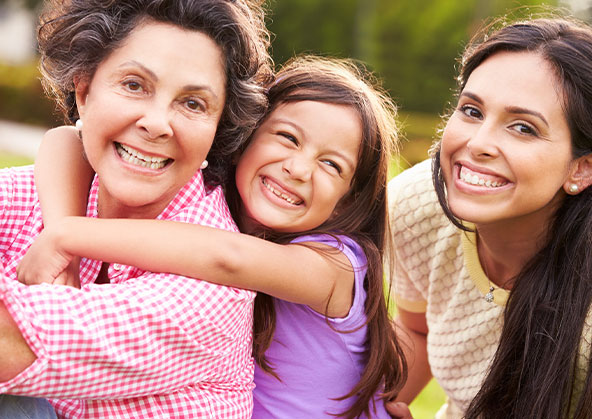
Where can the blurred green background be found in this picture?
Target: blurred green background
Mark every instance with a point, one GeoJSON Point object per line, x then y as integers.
{"type": "Point", "coordinates": [412, 46]}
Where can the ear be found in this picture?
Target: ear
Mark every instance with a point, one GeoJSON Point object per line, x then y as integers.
{"type": "Point", "coordinates": [580, 176]}
{"type": "Point", "coordinates": [81, 87]}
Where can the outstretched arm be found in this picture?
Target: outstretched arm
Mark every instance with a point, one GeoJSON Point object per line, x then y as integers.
{"type": "Point", "coordinates": [296, 273]}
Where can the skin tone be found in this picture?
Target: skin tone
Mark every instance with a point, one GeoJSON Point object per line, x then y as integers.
{"type": "Point", "coordinates": [507, 163]}
{"type": "Point", "coordinates": [155, 109]}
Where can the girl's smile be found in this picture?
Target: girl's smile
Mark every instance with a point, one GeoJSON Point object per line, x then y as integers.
{"type": "Point", "coordinates": [298, 165]}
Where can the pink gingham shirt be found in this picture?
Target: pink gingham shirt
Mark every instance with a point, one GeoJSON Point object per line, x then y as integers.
{"type": "Point", "coordinates": [146, 345]}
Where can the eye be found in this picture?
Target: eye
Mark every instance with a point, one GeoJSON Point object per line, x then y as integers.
{"type": "Point", "coordinates": [288, 137]}
{"type": "Point", "coordinates": [471, 111]}
{"type": "Point", "coordinates": [333, 165]}
{"type": "Point", "coordinates": [194, 105]}
{"type": "Point", "coordinates": [133, 85]}
{"type": "Point", "coordinates": [525, 129]}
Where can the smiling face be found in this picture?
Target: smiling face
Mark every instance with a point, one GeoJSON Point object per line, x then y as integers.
{"type": "Point", "coordinates": [150, 113]}
{"type": "Point", "coordinates": [506, 150]}
{"type": "Point", "coordinates": [298, 165]}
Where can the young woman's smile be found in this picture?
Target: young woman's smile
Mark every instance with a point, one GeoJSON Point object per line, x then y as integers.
{"type": "Point", "coordinates": [506, 150]}
{"type": "Point", "coordinates": [162, 117]}
{"type": "Point", "coordinates": [298, 165]}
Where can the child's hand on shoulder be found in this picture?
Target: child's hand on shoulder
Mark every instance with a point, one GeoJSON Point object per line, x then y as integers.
{"type": "Point", "coordinates": [46, 262]}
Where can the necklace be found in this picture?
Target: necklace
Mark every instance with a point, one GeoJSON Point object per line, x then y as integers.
{"type": "Point", "coordinates": [489, 296]}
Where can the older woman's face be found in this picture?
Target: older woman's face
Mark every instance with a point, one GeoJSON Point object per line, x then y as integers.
{"type": "Point", "coordinates": [150, 113]}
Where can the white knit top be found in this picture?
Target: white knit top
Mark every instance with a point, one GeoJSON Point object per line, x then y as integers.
{"type": "Point", "coordinates": [438, 273]}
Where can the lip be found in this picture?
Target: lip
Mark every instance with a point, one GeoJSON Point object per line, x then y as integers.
{"type": "Point", "coordinates": [479, 189]}
{"type": "Point", "coordinates": [267, 182]}
{"type": "Point", "coordinates": [138, 168]}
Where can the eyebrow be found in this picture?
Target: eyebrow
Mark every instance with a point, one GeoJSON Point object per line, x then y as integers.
{"type": "Point", "coordinates": [338, 153]}
{"type": "Point", "coordinates": [152, 74]}
{"type": "Point", "coordinates": [509, 109]}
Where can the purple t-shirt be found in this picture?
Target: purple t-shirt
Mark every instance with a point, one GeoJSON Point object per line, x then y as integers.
{"type": "Point", "coordinates": [314, 362]}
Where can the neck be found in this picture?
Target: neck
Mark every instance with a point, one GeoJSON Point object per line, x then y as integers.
{"type": "Point", "coordinates": [505, 249]}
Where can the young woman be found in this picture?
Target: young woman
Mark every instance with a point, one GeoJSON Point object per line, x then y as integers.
{"type": "Point", "coordinates": [312, 180]}
{"type": "Point", "coordinates": [494, 275]}
{"type": "Point", "coordinates": [164, 78]}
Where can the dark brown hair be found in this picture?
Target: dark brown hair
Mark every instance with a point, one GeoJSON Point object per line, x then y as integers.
{"type": "Point", "coordinates": [361, 214]}
{"type": "Point", "coordinates": [532, 373]}
{"type": "Point", "coordinates": [76, 36]}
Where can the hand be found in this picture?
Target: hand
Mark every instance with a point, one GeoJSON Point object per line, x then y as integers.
{"type": "Point", "coordinates": [398, 410]}
{"type": "Point", "coordinates": [45, 262]}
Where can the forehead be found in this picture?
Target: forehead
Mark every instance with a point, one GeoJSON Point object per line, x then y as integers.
{"type": "Point", "coordinates": [172, 53]}
{"type": "Point", "coordinates": [518, 79]}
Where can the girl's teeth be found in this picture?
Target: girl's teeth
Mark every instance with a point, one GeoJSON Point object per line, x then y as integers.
{"type": "Point", "coordinates": [280, 194]}
{"type": "Point", "coordinates": [135, 157]}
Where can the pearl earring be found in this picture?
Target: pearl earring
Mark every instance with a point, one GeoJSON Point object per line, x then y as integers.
{"type": "Point", "coordinates": [573, 188]}
{"type": "Point", "coordinates": [204, 164]}
{"type": "Point", "coordinates": [78, 125]}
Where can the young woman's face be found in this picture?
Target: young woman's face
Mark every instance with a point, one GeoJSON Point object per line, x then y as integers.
{"type": "Point", "coordinates": [298, 165]}
{"type": "Point", "coordinates": [506, 150]}
{"type": "Point", "coordinates": [149, 116]}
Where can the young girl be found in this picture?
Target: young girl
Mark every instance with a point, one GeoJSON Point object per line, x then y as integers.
{"type": "Point", "coordinates": [312, 182]}
{"type": "Point", "coordinates": [495, 265]}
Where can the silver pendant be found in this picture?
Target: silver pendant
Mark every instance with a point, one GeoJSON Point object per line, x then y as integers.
{"type": "Point", "coordinates": [489, 295]}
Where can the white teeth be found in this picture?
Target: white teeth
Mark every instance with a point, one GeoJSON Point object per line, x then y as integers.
{"type": "Point", "coordinates": [476, 180]}
{"type": "Point", "coordinates": [280, 194]}
{"type": "Point", "coordinates": [133, 156]}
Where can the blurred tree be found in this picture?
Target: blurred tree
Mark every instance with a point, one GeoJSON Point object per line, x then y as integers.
{"type": "Point", "coordinates": [412, 45]}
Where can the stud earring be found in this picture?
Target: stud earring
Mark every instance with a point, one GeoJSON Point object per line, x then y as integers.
{"type": "Point", "coordinates": [204, 164]}
{"type": "Point", "coordinates": [573, 188]}
{"type": "Point", "coordinates": [78, 125]}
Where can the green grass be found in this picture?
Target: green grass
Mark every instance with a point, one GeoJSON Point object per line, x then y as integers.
{"type": "Point", "coordinates": [9, 160]}
{"type": "Point", "coordinates": [427, 403]}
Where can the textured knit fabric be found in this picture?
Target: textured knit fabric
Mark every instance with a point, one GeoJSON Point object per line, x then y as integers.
{"type": "Point", "coordinates": [314, 362]}
{"type": "Point", "coordinates": [146, 345]}
{"type": "Point", "coordinates": [438, 273]}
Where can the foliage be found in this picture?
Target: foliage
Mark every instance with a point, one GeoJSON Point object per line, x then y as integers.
{"type": "Point", "coordinates": [22, 96]}
{"type": "Point", "coordinates": [412, 45]}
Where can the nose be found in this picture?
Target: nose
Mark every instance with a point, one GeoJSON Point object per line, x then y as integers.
{"type": "Point", "coordinates": [298, 168]}
{"type": "Point", "coordinates": [483, 141]}
{"type": "Point", "coordinates": [155, 120]}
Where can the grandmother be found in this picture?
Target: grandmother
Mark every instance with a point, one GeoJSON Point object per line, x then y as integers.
{"type": "Point", "coordinates": [158, 88]}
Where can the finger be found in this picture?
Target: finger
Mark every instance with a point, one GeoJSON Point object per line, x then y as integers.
{"type": "Point", "coordinates": [398, 410]}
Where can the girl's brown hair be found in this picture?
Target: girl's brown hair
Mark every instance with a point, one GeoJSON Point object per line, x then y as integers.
{"type": "Point", "coordinates": [361, 214]}
{"type": "Point", "coordinates": [532, 373]}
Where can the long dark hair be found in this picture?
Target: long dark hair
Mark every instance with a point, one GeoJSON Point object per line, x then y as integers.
{"type": "Point", "coordinates": [75, 36]}
{"type": "Point", "coordinates": [533, 372]}
{"type": "Point", "coordinates": [361, 214]}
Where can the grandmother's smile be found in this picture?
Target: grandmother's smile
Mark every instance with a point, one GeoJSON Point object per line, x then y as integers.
{"type": "Point", "coordinates": [137, 158]}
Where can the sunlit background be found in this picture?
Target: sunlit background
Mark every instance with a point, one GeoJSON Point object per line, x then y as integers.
{"type": "Point", "coordinates": [412, 45]}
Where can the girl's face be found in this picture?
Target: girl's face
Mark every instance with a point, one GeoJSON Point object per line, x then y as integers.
{"type": "Point", "coordinates": [298, 165]}
{"type": "Point", "coordinates": [506, 150]}
{"type": "Point", "coordinates": [150, 113]}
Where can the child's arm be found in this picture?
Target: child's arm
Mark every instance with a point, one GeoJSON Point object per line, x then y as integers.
{"type": "Point", "coordinates": [296, 273]}
{"type": "Point", "coordinates": [62, 179]}
{"type": "Point", "coordinates": [62, 175]}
